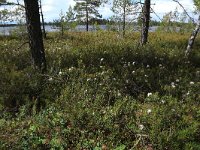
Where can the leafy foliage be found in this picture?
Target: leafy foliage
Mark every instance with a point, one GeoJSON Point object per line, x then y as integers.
{"type": "Point", "coordinates": [176, 22]}
{"type": "Point", "coordinates": [197, 4]}
{"type": "Point", "coordinates": [2, 1]}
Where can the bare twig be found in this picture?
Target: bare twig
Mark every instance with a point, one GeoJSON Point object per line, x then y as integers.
{"type": "Point", "coordinates": [192, 19]}
{"type": "Point", "coordinates": [156, 14]}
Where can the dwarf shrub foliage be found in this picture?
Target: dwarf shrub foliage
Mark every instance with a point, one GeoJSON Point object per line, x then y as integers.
{"type": "Point", "coordinates": [101, 91]}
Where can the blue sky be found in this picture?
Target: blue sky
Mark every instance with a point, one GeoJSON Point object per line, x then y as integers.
{"type": "Point", "coordinates": [52, 8]}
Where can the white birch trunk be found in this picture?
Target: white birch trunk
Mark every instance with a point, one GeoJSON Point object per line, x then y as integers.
{"type": "Point", "coordinates": [192, 38]}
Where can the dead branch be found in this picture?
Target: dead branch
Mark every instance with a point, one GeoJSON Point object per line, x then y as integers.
{"type": "Point", "coordinates": [11, 4]}
{"type": "Point", "coordinates": [192, 19]}
{"type": "Point", "coordinates": [21, 45]}
{"type": "Point", "coordinates": [155, 14]}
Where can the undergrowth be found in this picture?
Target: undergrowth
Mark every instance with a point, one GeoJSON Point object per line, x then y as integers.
{"type": "Point", "coordinates": [101, 91]}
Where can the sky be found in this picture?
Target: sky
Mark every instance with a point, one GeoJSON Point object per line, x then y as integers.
{"type": "Point", "coordinates": [52, 8]}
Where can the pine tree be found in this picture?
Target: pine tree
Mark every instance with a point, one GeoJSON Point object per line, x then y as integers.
{"type": "Point", "coordinates": [42, 17]}
{"type": "Point", "coordinates": [35, 34]}
{"type": "Point", "coordinates": [70, 18]}
{"type": "Point", "coordinates": [145, 21]}
{"type": "Point", "coordinates": [123, 8]}
{"type": "Point", "coordinates": [87, 9]}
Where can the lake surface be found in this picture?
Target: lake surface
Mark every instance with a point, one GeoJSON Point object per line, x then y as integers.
{"type": "Point", "coordinates": [49, 28]}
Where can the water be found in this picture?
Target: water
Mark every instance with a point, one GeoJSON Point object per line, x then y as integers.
{"type": "Point", "coordinates": [50, 28]}
{"type": "Point", "coordinates": [8, 30]}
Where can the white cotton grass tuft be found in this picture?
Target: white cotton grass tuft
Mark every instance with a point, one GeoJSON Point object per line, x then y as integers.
{"type": "Point", "coordinates": [173, 85]}
{"type": "Point", "coordinates": [149, 94]}
{"type": "Point", "coordinates": [119, 94]}
{"type": "Point", "coordinates": [141, 126]}
{"type": "Point", "coordinates": [191, 83]}
{"type": "Point", "coordinates": [162, 101]}
{"type": "Point", "coordinates": [60, 73]}
{"type": "Point", "coordinates": [188, 93]}
{"type": "Point", "coordinates": [50, 79]}
{"type": "Point", "coordinates": [149, 111]}
{"type": "Point", "coordinates": [70, 69]}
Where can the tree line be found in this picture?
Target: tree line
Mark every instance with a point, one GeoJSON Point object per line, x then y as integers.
{"type": "Point", "coordinates": [85, 10]}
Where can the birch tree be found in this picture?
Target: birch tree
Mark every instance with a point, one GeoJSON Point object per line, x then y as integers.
{"type": "Point", "coordinates": [193, 37]}
{"type": "Point", "coordinates": [195, 31]}
{"type": "Point", "coordinates": [197, 28]}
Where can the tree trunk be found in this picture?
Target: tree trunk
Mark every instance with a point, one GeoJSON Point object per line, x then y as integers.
{"type": "Point", "coordinates": [62, 28]}
{"type": "Point", "coordinates": [35, 34]}
{"type": "Point", "coordinates": [87, 18]}
{"type": "Point", "coordinates": [192, 38]}
{"type": "Point", "coordinates": [124, 20]}
{"type": "Point", "coordinates": [43, 26]}
{"type": "Point", "coordinates": [145, 21]}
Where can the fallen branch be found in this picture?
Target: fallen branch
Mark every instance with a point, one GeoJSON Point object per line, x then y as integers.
{"type": "Point", "coordinates": [21, 45]}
